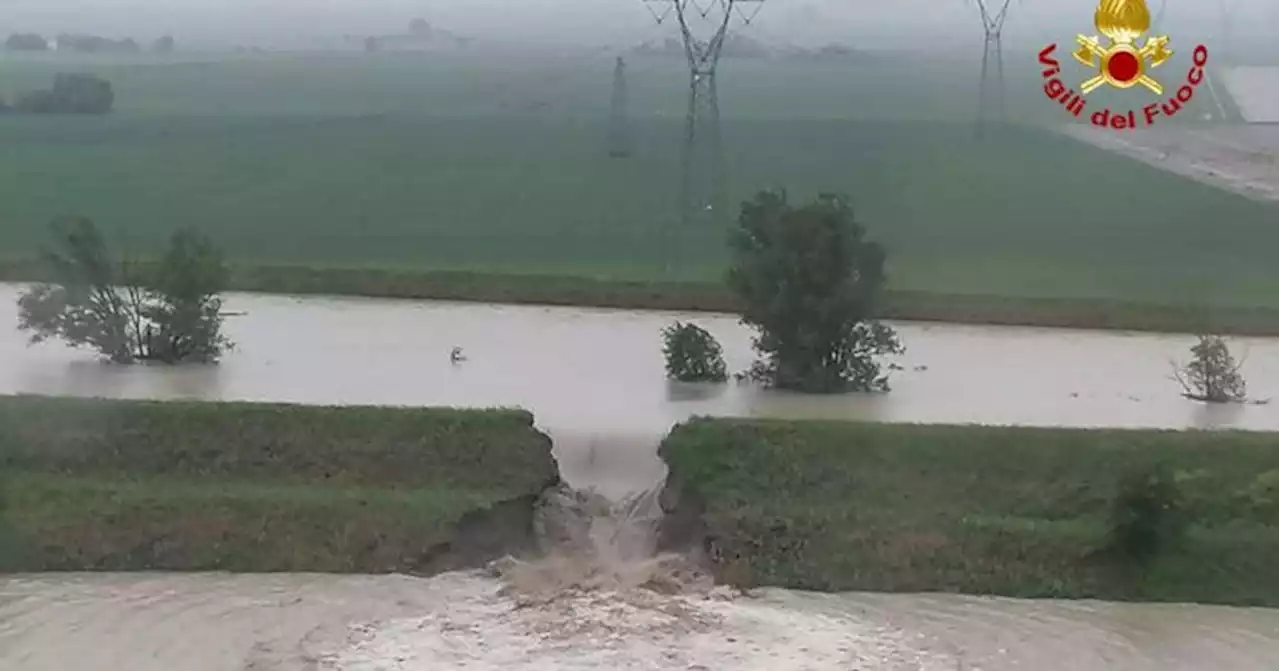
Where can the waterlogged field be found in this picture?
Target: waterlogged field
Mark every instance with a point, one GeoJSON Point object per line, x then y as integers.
{"type": "Point", "coordinates": [412, 164]}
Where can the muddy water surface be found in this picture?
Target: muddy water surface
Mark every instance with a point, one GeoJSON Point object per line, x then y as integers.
{"type": "Point", "coordinates": [140, 622]}
{"type": "Point", "coordinates": [594, 379]}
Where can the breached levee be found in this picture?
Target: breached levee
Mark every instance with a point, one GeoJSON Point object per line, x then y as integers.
{"type": "Point", "coordinates": [601, 596]}
{"type": "Point", "coordinates": [616, 582]}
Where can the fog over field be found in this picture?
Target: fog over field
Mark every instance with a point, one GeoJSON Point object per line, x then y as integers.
{"type": "Point", "coordinates": [295, 23]}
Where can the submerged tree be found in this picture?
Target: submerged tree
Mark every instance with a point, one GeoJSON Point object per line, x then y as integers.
{"type": "Point", "coordinates": [169, 313]}
{"type": "Point", "coordinates": [181, 300]}
{"type": "Point", "coordinates": [808, 279]}
{"type": "Point", "coordinates": [692, 354]}
{"type": "Point", "coordinates": [1212, 375]}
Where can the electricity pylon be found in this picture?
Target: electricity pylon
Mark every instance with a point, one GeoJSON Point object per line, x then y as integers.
{"type": "Point", "coordinates": [991, 94]}
{"type": "Point", "coordinates": [619, 131]}
{"type": "Point", "coordinates": [703, 29]}
{"type": "Point", "coordinates": [1226, 22]}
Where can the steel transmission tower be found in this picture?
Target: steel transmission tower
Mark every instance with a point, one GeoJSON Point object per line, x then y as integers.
{"type": "Point", "coordinates": [991, 94]}
{"type": "Point", "coordinates": [1227, 22]}
{"type": "Point", "coordinates": [619, 130]}
{"type": "Point", "coordinates": [703, 28]}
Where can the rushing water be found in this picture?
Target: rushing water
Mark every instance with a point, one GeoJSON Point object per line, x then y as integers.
{"type": "Point", "coordinates": [199, 622]}
{"type": "Point", "coordinates": [594, 379]}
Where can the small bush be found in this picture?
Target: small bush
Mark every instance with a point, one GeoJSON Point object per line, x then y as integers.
{"type": "Point", "coordinates": [692, 354]}
{"type": "Point", "coordinates": [1148, 516]}
{"type": "Point", "coordinates": [1262, 497]}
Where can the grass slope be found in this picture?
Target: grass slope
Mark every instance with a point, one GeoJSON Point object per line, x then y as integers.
{"type": "Point", "coordinates": [128, 485]}
{"type": "Point", "coordinates": [1008, 511]}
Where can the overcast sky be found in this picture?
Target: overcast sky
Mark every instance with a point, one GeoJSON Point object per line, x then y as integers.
{"type": "Point", "coordinates": [283, 22]}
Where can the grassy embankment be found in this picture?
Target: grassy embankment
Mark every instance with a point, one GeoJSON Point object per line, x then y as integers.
{"type": "Point", "coordinates": [1006, 511]}
{"type": "Point", "coordinates": [468, 195]}
{"type": "Point", "coordinates": [127, 485]}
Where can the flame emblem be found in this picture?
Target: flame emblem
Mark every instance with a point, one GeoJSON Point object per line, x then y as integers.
{"type": "Point", "coordinates": [1122, 64]}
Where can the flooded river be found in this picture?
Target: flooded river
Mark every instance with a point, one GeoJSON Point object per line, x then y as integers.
{"type": "Point", "coordinates": [595, 381]}
{"type": "Point", "coordinates": [594, 378]}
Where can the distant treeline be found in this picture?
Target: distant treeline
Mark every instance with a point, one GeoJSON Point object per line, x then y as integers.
{"type": "Point", "coordinates": [71, 94]}
{"type": "Point", "coordinates": [740, 46]}
{"type": "Point", "coordinates": [87, 44]}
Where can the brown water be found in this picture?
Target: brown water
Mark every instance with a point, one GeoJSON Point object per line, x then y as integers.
{"type": "Point", "coordinates": [594, 379]}
{"type": "Point", "coordinates": [199, 622]}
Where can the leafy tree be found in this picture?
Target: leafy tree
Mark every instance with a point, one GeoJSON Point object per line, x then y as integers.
{"type": "Point", "coordinates": [1212, 375]}
{"type": "Point", "coordinates": [163, 45]}
{"type": "Point", "coordinates": [692, 354]}
{"type": "Point", "coordinates": [71, 94]}
{"type": "Point", "coordinates": [807, 279]}
{"type": "Point", "coordinates": [170, 314]}
{"type": "Point", "coordinates": [419, 27]}
{"type": "Point", "coordinates": [82, 305]}
{"type": "Point", "coordinates": [82, 94]}
{"type": "Point", "coordinates": [184, 302]}
{"type": "Point", "coordinates": [26, 42]}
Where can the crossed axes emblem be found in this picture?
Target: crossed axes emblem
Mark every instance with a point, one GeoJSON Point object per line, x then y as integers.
{"type": "Point", "coordinates": [1120, 64]}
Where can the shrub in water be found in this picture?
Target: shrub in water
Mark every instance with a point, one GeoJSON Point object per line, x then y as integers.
{"type": "Point", "coordinates": [172, 313]}
{"type": "Point", "coordinates": [808, 280]}
{"type": "Point", "coordinates": [692, 354]}
{"type": "Point", "coordinates": [1148, 515]}
{"type": "Point", "coordinates": [1212, 375]}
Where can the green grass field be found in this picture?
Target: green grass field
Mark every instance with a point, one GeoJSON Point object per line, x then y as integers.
{"type": "Point", "coordinates": [414, 165]}
{"type": "Point", "coordinates": [1008, 511]}
{"type": "Point", "coordinates": [90, 484]}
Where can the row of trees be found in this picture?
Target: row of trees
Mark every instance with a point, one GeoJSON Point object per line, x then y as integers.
{"type": "Point", "coordinates": [807, 278]}
{"type": "Point", "coordinates": [808, 281]}
{"type": "Point", "coordinates": [88, 44]}
{"type": "Point", "coordinates": [70, 94]}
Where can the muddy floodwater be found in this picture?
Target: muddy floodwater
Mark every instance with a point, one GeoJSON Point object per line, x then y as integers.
{"type": "Point", "coordinates": [595, 381]}
{"type": "Point", "coordinates": [602, 369]}
{"type": "Point", "coordinates": [196, 622]}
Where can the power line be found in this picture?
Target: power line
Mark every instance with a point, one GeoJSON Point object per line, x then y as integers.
{"type": "Point", "coordinates": [703, 28]}
{"type": "Point", "coordinates": [619, 128]}
{"type": "Point", "coordinates": [991, 94]}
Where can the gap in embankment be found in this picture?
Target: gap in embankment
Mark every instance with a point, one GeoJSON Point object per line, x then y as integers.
{"type": "Point", "coordinates": [601, 529]}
